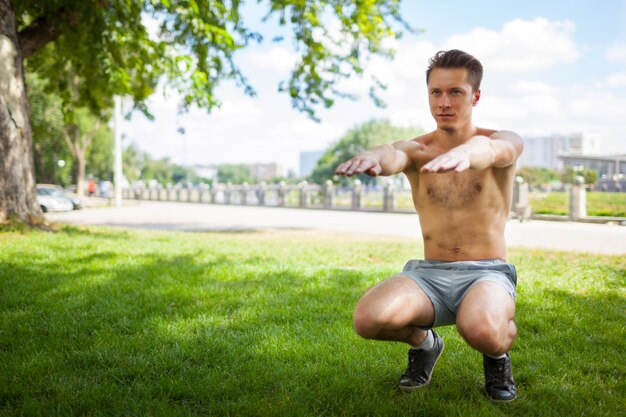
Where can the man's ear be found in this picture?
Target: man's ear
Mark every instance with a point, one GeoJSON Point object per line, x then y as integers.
{"type": "Point", "coordinates": [476, 97]}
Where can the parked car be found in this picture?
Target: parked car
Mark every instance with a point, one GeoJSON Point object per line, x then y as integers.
{"type": "Point", "coordinates": [51, 200]}
{"type": "Point", "coordinates": [77, 202]}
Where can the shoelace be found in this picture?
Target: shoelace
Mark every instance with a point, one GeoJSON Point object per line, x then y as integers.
{"type": "Point", "coordinates": [498, 375]}
{"type": "Point", "coordinates": [411, 367]}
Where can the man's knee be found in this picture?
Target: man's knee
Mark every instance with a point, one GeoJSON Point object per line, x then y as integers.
{"type": "Point", "coordinates": [364, 323]}
{"type": "Point", "coordinates": [370, 321]}
{"type": "Point", "coordinates": [487, 334]}
{"type": "Point", "coordinates": [485, 318]}
{"type": "Point", "coordinates": [392, 306]}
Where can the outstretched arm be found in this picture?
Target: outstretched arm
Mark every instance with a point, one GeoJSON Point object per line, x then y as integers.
{"type": "Point", "coordinates": [382, 160]}
{"type": "Point", "coordinates": [500, 150]}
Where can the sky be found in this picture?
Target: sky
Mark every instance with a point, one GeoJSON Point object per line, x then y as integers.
{"type": "Point", "coordinates": [551, 67]}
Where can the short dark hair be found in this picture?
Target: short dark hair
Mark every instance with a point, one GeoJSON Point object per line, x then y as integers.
{"type": "Point", "coordinates": [455, 58]}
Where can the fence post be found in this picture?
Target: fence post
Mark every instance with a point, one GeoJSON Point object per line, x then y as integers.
{"type": "Point", "coordinates": [357, 195]}
{"type": "Point", "coordinates": [282, 194]}
{"type": "Point", "coordinates": [329, 194]}
{"type": "Point", "coordinates": [304, 194]}
{"type": "Point", "coordinates": [260, 193]}
{"type": "Point", "coordinates": [520, 205]}
{"type": "Point", "coordinates": [227, 190]}
{"type": "Point", "coordinates": [389, 196]}
{"type": "Point", "coordinates": [244, 193]}
{"type": "Point", "coordinates": [578, 199]}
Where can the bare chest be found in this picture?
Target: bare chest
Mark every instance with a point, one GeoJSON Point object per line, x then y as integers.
{"type": "Point", "coordinates": [452, 190]}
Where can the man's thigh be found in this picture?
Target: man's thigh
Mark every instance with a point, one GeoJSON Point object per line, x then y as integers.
{"type": "Point", "coordinates": [401, 300]}
{"type": "Point", "coordinates": [486, 302]}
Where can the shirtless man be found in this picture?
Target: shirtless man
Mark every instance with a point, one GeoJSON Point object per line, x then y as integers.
{"type": "Point", "coordinates": [461, 178]}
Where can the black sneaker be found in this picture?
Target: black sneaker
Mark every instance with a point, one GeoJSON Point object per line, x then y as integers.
{"type": "Point", "coordinates": [499, 384]}
{"type": "Point", "coordinates": [421, 365]}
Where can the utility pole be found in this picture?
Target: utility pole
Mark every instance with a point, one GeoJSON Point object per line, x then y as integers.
{"type": "Point", "coordinates": [117, 172]}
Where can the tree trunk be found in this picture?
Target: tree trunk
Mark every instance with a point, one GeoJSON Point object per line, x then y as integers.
{"type": "Point", "coordinates": [80, 174]}
{"type": "Point", "coordinates": [78, 143]}
{"type": "Point", "coordinates": [17, 182]}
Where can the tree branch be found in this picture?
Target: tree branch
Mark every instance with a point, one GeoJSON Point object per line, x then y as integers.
{"type": "Point", "coordinates": [69, 141]}
{"type": "Point", "coordinates": [88, 138]}
{"type": "Point", "coordinates": [46, 28]}
{"type": "Point", "coordinates": [43, 30]}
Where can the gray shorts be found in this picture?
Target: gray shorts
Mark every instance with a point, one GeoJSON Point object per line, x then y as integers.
{"type": "Point", "coordinates": [446, 283]}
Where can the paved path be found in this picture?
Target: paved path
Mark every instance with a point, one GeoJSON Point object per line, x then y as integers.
{"type": "Point", "coordinates": [599, 238]}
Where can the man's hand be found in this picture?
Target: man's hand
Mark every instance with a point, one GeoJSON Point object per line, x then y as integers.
{"type": "Point", "coordinates": [456, 159]}
{"type": "Point", "coordinates": [364, 163]}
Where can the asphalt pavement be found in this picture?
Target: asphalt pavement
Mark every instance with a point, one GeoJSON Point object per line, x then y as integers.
{"type": "Point", "coordinates": [194, 217]}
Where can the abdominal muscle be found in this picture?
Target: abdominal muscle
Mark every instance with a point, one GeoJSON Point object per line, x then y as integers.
{"type": "Point", "coordinates": [454, 236]}
{"type": "Point", "coordinates": [462, 216]}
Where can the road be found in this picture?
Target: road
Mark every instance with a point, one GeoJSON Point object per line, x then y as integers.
{"type": "Point", "coordinates": [570, 236]}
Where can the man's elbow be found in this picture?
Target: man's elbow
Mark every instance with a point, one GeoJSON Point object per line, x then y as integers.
{"type": "Point", "coordinates": [507, 150]}
{"type": "Point", "coordinates": [505, 157]}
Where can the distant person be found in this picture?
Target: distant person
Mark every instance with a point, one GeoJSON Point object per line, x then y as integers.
{"type": "Point", "coordinates": [105, 188]}
{"type": "Point", "coordinates": [91, 187]}
{"type": "Point", "coordinates": [461, 178]}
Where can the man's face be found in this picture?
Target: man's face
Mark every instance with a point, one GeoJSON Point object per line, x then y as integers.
{"type": "Point", "coordinates": [451, 97]}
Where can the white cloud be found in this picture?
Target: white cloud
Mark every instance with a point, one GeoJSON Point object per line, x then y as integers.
{"type": "Point", "coordinates": [601, 107]}
{"type": "Point", "coordinates": [276, 58]}
{"type": "Point", "coordinates": [411, 60]}
{"type": "Point", "coordinates": [617, 80]}
{"type": "Point", "coordinates": [534, 87]}
{"type": "Point", "coordinates": [616, 53]}
{"type": "Point", "coordinates": [537, 114]}
{"type": "Point", "coordinates": [521, 45]}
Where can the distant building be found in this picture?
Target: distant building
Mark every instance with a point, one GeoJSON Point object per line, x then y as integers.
{"type": "Point", "coordinates": [608, 167]}
{"type": "Point", "coordinates": [545, 151]}
{"type": "Point", "coordinates": [308, 160]}
{"type": "Point", "coordinates": [265, 172]}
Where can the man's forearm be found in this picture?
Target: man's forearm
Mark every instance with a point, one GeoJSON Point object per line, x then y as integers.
{"type": "Point", "coordinates": [500, 150]}
{"type": "Point", "coordinates": [387, 159]}
{"type": "Point", "coordinates": [393, 157]}
{"type": "Point", "coordinates": [481, 153]}
{"type": "Point", "coordinates": [385, 154]}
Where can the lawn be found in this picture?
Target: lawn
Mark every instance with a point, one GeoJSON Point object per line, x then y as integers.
{"type": "Point", "coordinates": [105, 322]}
{"type": "Point", "coordinates": [598, 203]}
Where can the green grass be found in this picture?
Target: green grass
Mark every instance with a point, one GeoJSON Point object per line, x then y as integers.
{"type": "Point", "coordinates": [598, 204]}
{"type": "Point", "coordinates": [99, 322]}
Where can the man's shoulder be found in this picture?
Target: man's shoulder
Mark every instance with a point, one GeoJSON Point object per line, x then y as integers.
{"type": "Point", "coordinates": [498, 134]}
{"type": "Point", "coordinates": [486, 132]}
{"type": "Point", "coordinates": [424, 139]}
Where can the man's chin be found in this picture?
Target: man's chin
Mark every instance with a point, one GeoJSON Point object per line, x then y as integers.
{"type": "Point", "coordinates": [446, 127]}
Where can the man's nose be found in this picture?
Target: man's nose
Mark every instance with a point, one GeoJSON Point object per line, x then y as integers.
{"type": "Point", "coordinates": [444, 101]}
